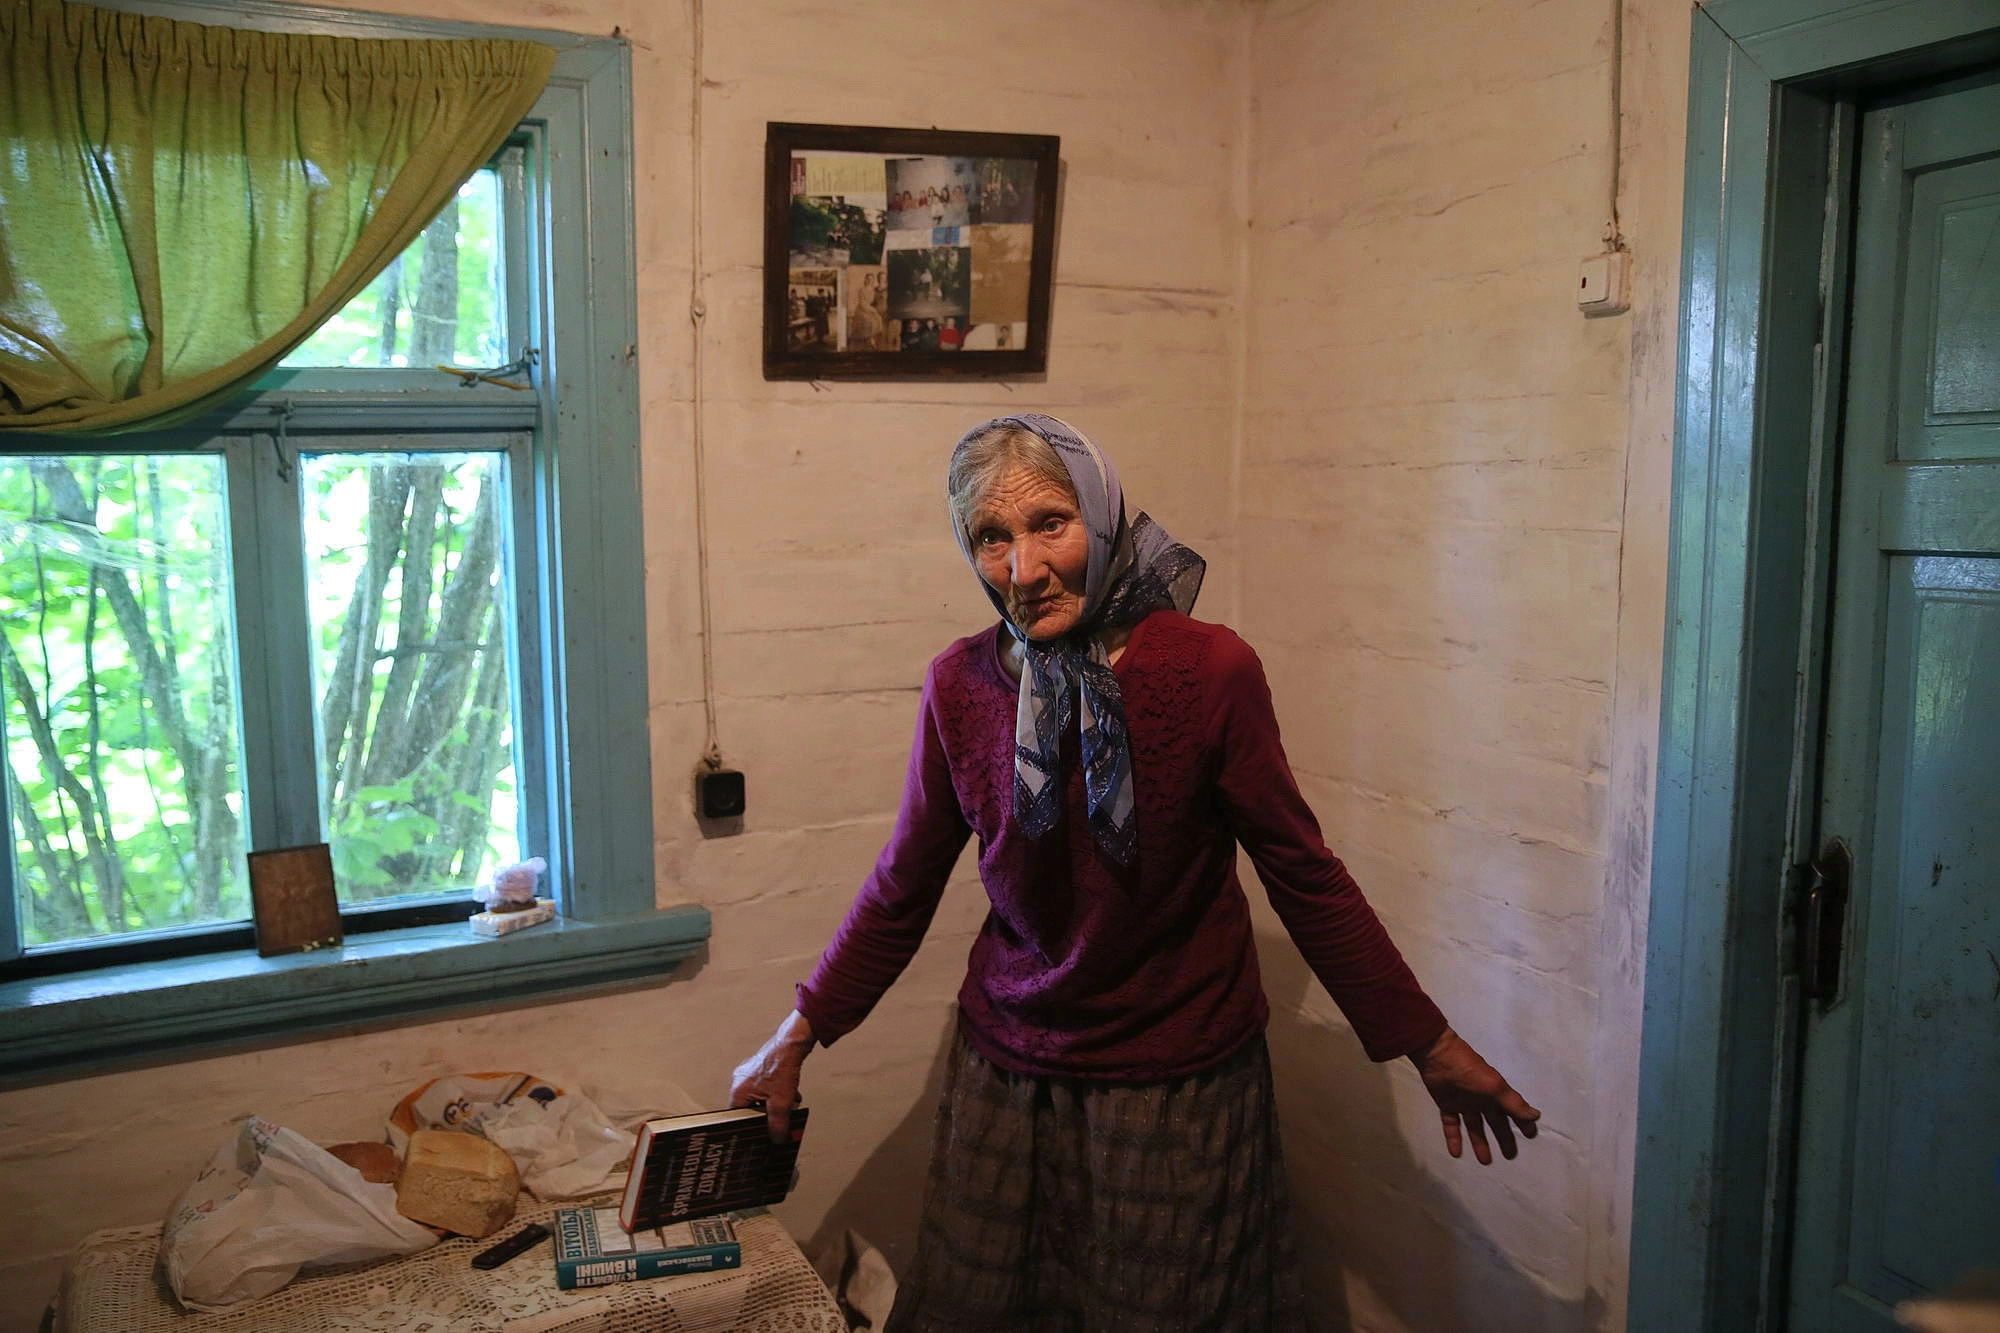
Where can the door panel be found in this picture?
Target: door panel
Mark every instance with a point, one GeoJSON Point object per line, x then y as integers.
{"type": "Point", "coordinates": [1926, 1134]}
{"type": "Point", "coordinates": [1966, 382]}
{"type": "Point", "coordinates": [1899, 1116]}
{"type": "Point", "coordinates": [1951, 338]}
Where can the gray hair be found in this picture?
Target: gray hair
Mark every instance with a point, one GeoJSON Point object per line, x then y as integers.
{"type": "Point", "coordinates": [986, 452]}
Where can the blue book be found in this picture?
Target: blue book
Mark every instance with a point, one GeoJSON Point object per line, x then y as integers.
{"type": "Point", "coordinates": [592, 1250]}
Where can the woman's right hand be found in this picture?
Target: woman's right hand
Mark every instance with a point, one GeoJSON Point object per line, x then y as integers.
{"type": "Point", "coordinates": [770, 1078]}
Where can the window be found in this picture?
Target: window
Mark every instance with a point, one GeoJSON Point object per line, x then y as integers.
{"type": "Point", "coordinates": [447, 298]}
{"type": "Point", "coordinates": [372, 603]}
{"type": "Point", "coordinates": [138, 591]}
{"type": "Point", "coordinates": [121, 715]}
{"type": "Point", "coordinates": [410, 612]}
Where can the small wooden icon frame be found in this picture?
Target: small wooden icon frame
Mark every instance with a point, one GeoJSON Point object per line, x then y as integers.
{"type": "Point", "coordinates": [293, 901]}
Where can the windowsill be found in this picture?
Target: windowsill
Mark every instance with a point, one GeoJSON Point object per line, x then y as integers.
{"type": "Point", "coordinates": [170, 1006]}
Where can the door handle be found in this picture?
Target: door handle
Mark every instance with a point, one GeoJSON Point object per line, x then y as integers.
{"type": "Point", "coordinates": [1823, 928]}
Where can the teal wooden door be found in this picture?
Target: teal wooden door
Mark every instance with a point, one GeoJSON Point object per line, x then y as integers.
{"type": "Point", "coordinates": [1899, 1162]}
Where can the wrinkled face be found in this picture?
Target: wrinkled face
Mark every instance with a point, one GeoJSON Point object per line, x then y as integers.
{"type": "Point", "coordinates": [1031, 547]}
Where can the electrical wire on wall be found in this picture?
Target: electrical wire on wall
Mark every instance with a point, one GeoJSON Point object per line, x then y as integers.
{"type": "Point", "coordinates": [711, 755]}
{"type": "Point", "coordinates": [1604, 279]}
{"type": "Point", "coordinates": [1614, 232]}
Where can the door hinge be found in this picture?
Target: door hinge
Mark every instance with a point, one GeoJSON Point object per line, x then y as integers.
{"type": "Point", "coordinates": [1823, 921]}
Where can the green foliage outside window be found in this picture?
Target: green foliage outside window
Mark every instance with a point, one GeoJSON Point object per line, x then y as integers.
{"type": "Point", "coordinates": [120, 708]}
{"type": "Point", "coordinates": [408, 600]}
{"type": "Point", "coordinates": [440, 302]}
{"type": "Point", "coordinates": [119, 679]}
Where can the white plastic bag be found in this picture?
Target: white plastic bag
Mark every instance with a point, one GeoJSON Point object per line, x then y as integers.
{"type": "Point", "coordinates": [565, 1148]}
{"type": "Point", "coordinates": [269, 1203]}
{"type": "Point", "coordinates": [562, 1143]}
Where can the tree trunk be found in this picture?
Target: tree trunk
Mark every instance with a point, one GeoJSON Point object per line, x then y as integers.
{"type": "Point", "coordinates": [439, 698]}
{"type": "Point", "coordinates": [162, 683]}
{"type": "Point", "coordinates": [434, 319]}
{"type": "Point", "coordinates": [163, 597]}
{"type": "Point", "coordinates": [162, 582]}
{"type": "Point", "coordinates": [100, 858]}
{"type": "Point", "coordinates": [390, 306]}
{"type": "Point", "coordinates": [218, 840]}
{"type": "Point", "coordinates": [390, 752]}
{"type": "Point", "coordinates": [479, 762]}
{"type": "Point", "coordinates": [344, 711]}
{"type": "Point", "coordinates": [204, 759]}
{"type": "Point", "coordinates": [111, 891]}
{"type": "Point", "coordinates": [68, 915]}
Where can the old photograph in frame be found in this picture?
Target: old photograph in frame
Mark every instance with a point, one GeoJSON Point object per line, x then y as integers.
{"type": "Point", "coordinates": [293, 901]}
{"type": "Point", "coordinates": [906, 254]}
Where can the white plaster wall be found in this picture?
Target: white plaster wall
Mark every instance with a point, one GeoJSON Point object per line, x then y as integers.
{"type": "Point", "coordinates": [1453, 531]}
{"type": "Point", "coordinates": [834, 577]}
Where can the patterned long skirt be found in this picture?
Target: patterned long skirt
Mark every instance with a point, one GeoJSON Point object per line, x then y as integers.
{"type": "Point", "coordinates": [1080, 1207]}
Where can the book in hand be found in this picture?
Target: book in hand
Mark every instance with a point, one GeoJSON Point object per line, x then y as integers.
{"type": "Point", "coordinates": [692, 1166]}
{"type": "Point", "coordinates": [592, 1250]}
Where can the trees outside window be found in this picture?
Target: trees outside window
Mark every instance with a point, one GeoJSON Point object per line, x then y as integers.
{"type": "Point", "coordinates": [411, 669]}
{"type": "Point", "coordinates": [141, 751]}
{"type": "Point", "coordinates": [121, 715]}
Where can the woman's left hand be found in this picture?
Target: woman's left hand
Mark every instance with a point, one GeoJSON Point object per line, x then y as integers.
{"type": "Point", "coordinates": [1470, 1092]}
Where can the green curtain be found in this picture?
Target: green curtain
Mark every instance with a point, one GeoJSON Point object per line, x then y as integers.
{"type": "Point", "coordinates": [181, 205]}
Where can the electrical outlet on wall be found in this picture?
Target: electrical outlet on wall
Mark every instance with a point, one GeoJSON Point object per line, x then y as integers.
{"type": "Point", "coordinates": [718, 792]}
{"type": "Point", "coordinates": [1603, 283]}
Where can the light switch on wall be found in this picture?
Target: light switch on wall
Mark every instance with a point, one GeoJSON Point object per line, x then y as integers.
{"type": "Point", "coordinates": [1602, 283]}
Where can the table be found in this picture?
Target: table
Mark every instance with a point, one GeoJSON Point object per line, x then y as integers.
{"type": "Point", "coordinates": [111, 1286]}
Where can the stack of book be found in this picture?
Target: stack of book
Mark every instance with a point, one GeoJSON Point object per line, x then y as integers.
{"type": "Point", "coordinates": [592, 1250]}
{"type": "Point", "coordinates": [687, 1171]}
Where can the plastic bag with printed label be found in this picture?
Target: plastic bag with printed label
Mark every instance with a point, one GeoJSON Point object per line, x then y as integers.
{"type": "Point", "coordinates": [564, 1144]}
{"type": "Point", "coordinates": [269, 1203]}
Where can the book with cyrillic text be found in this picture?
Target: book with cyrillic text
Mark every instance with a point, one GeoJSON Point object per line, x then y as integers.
{"type": "Point", "coordinates": [690, 1166]}
{"type": "Point", "coordinates": [592, 1250]}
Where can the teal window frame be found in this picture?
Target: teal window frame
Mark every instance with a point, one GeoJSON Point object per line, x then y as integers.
{"type": "Point", "coordinates": [577, 471]}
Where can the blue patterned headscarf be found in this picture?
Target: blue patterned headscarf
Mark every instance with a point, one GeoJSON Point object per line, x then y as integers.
{"type": "Point", "coordinates": [1134, 570]}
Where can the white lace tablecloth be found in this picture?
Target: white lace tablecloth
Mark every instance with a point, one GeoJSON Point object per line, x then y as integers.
{"type": "Point", "coordinates": [112, 1285]}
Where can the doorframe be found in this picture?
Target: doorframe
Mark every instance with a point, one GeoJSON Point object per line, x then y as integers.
{"type": "Point", "coordinates": [1772, 85]}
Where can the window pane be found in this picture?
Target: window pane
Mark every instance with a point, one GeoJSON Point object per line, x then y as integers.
{"type": "Point", "coordinates": [441, 302]}
{"type": "Point", "coordinates": [120, 724]}
{"type": "Point", "coordinates": [409, 591]}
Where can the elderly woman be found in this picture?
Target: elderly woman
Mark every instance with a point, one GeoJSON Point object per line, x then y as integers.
{"type": "Point", "coordinates": [1106, 1154]}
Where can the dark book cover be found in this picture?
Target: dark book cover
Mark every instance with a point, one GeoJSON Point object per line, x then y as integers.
{"type": "Point", "coordinates": [699, 1165]}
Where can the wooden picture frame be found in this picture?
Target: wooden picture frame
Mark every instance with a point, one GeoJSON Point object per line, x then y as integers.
{"type": "Point", "coordinates": [936, 263]}
{"type": "Point", "coordinates": [292, 899]}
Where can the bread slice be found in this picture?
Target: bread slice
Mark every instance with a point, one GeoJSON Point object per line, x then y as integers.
{"type": "Point", "coordinates": [459, 1182]}
{"type": "Point", "coordinates": [377, 1161]}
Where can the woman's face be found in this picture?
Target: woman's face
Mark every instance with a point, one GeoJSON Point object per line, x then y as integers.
{"type": "Point", "coordinates": [1030, 546]}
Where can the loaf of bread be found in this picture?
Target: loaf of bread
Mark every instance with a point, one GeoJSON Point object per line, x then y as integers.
{"type": "Point", "coordinates": [376, 1162]}
{"type": "Point", "coordinates": [459, 1182]}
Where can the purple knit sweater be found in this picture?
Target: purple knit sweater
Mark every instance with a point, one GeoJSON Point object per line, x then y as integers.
{"type": "Point", "coordinates": [1087, 969]}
